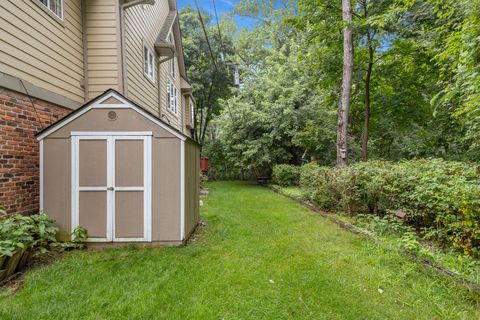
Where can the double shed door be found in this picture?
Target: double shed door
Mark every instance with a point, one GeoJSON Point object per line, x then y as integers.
{"type": "Point", "coordinates": [111, 186]}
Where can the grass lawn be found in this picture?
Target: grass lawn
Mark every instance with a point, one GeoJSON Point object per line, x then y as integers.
{"type": "Point", "coordinates": [261, 256]}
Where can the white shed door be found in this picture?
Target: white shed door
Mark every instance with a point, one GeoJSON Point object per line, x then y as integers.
{"type": "Point", "coordinates": [111, 187]}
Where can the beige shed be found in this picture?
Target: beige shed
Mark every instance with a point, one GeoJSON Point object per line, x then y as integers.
{"type": "Point", "coordinates": [120, 172]}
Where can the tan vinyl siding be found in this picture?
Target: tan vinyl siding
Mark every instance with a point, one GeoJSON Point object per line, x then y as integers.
{"type": "Point", "coordinates": [192, 177]}
{"type": "Point", "coordinates": [103, 46]}
{"type": "Point", "coordinates": [142, 25]}
{"type": "Point", "coordinates": [36, 48]}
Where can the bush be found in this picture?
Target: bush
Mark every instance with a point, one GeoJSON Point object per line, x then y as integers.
{"type": "Point", "coordinates": [313, 182]}
{"type": "Point", "coordinates": [21, 232]}
{"type": "Point", "coordinates": [441, 198]}
{"type": "Point", "coordinates": [286, 175]}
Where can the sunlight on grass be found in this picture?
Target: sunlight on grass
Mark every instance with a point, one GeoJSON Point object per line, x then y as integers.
{"type": "Point", "coordinates": [261, 256]}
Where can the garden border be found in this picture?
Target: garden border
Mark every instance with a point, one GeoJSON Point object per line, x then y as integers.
{"type": "Point", "coordinates": [472, 286]}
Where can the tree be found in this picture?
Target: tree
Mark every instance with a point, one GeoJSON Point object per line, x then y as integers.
{"type": "Point", "coordinates": [210, 78]}
{"type": "Point", "coordinates": [413, 91]}
{"type": "Point", "coordinates": [344, 105]}
{"type": "Point", "coordinates": [375, 23]}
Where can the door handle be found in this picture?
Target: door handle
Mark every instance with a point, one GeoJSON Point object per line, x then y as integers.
{"type": "Point", "coordinates": [110, 189]}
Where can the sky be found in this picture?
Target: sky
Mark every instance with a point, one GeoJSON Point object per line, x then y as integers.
{"type": "Point", "coordinates": [223, 6]}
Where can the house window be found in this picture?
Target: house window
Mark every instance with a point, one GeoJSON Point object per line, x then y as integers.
{"type": "Point", "coordinates": [56, 6]}
{"type": "Point", "coordinates": [171, 63]}
{"type": "Point", "coordinates": [172, 97]}
{"type": "Point", "coordinates": [192, 115]}
{"type": "Point", "coordinates": [148, 63]}
{"type": "Point", "coordinates": [171, 67]}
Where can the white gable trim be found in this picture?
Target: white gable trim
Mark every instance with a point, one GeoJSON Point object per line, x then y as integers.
{"type": "Point", "coordinates": [97, 104]}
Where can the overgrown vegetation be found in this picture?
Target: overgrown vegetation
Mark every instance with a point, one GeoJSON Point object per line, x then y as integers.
{"type": "Point", "coordinates": [440, 198]}
{"type": "Point", "coordinates": [390, 229]}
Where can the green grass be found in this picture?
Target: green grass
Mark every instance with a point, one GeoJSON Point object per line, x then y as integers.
{"type": "Point", "coordinates": [261, 256]}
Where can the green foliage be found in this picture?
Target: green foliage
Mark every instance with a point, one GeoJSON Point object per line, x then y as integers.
{"type": "Point", "coordinates": [221, 166]}
{"type": "Point", "coordinates": [210, 77]}
{"type": "Point", "coordinates": [424, 88]}
{"type": "Point", "coordinates": [392, 230]}
{"type": "Point", "coordinates": [286, 175]}
{"type": "Point", "coordinates": [386, 225]}
{"type": "Point", "coordinates": [439, 197]}
{"type": "Point", "coordinates": [79, 235]}
{"type": "Point", "coordinates": [21, 232]}
{"type": "Point", "coordinates": [203, 179]}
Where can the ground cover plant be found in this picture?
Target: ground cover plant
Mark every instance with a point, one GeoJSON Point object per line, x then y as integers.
{"type": "Point", "coordinates": [260, 256]}
{"type": "Point", "coordinates": [24, 232]}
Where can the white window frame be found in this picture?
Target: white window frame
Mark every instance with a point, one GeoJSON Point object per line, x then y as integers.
{"type": "Point", "coordinates": [172, 97]}
{"type": "Point", "coordinates": [192, 113]}
{"type": "Point", "coordinates": [48, 9]}
{"type": "Point", "coordinates": [172, 63]}
{"type": "Point", "coordinates": [149, 62]}
{"type": "Point", "coordinates": [172, 67]}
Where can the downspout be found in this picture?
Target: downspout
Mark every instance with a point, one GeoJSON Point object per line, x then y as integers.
{"type": "Point", "coordinates": [123, 6]}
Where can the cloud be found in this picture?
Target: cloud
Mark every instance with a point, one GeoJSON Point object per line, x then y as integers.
{"type": "Point", "coordinates": [228, 3]}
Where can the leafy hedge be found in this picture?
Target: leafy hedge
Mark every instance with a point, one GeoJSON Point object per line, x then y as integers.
{"type": "Point", "coordinates": [441, 198]}
{"type": "Point", "coordinates": [286, 175]}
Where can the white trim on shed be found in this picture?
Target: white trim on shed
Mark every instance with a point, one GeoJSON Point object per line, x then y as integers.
{"type": "Point", "coordinates": [97, 104]}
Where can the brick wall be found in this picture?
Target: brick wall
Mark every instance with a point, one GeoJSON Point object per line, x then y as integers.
{"type": "Point", "coordinates": [19, 150]}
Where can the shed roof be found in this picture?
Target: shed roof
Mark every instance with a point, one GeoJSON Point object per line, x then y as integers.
{"type": "Point", "coordinates": [105, 100]}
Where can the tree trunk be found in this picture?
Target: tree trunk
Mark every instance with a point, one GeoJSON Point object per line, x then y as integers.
{"type": "Point", "coordinates": [344, 105]}
{"type": "Point", "coordinates": [366, 123]}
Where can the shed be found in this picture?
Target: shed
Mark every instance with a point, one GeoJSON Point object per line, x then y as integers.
{"type": "Point", "coordinates": [120, 172]}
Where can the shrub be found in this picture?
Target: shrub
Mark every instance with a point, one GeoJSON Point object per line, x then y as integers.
{"type": "Point", "coordinates": [314, 184]}
{"type": "Point", "coordinates": [440, 197]}
{"type": "Point", "coordinates": [18, 231]}
{"type": "Point", "coordinates": [286, 175]}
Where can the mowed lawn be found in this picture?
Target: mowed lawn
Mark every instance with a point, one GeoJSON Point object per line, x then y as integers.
{"type": "Point", "coordinates": [261, 256]}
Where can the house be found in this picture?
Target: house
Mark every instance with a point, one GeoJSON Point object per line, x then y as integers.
{"type": "Point", "coordinates": [94, 76]}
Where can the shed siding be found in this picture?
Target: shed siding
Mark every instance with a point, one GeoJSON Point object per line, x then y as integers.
{"type": "Point", "coordinates": [165, 170]}
{"type": "Point", "coordinates": [192, 177]}
{"type": "Point", "coordinates": [37, 48]}
{"type": "Point", "coordinates": [57, 182]}
{"type": "Point", "coordinates": [142, 25]}
{"type": "Point", "coordinates": [166, 190]}
{"type": "Point", "coordinates": [103, 46]}
{"type": "Point", "coordinates": [97, 120]}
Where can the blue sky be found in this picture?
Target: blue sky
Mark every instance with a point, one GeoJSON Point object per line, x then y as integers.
{"type": "Point", "coordinates": [223, 6]}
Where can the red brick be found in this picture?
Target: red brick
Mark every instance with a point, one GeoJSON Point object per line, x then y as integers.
{"type": "Point", "coordinates": [19, 172]}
